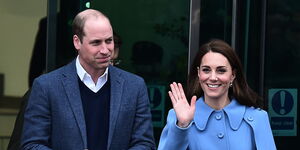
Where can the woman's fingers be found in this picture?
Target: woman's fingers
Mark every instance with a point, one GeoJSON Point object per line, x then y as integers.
{"type": "Point", "coordinates": [177, 91]}
{"type": "Point", "coordinates": [177, 94]}
{"type": "Point", "coordinates": [173, 100]}
{"type": "Point", "coordinates": [174, 90]}
{"type": "Point", "coordinates": [184, 110]}
{"type": "Point", "coordinates": [181, 91]}
{"type": "Point", "coordinates": [193, 102]}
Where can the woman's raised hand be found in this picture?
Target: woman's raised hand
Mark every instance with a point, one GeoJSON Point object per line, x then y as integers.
{"type": "Point", "coordinates": [184, 111]}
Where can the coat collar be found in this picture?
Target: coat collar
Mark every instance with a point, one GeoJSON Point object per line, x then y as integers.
{"type": "Point", "coordinates": [71, 86]}
{"type": "Point", "coordinates": [116, 89]}
{"type": "Point", "coordinates": [234, 111]}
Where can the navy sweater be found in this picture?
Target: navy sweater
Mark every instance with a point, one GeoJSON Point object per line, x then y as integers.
{"type": "Point", "coordinates": [96, 113]}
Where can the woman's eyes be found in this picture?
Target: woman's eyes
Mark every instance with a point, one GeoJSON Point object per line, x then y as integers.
{"type": "Point", "coordinates": [207, 70]}
{"type": "Point", "coordinates": [221, 70]}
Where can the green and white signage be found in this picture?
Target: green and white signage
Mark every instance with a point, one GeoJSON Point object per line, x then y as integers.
{"type": "Point", "coordinates": [283, 111]}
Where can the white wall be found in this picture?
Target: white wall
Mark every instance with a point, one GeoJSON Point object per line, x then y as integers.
{"type": "Point", "coordinates": [18, 26]}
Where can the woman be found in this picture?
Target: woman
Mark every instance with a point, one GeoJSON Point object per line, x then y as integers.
{"type": "Point", "coordinates": [227, 115]}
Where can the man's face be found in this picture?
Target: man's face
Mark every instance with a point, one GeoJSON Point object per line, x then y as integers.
{"type": "Point", "coordinates": [97, 46]}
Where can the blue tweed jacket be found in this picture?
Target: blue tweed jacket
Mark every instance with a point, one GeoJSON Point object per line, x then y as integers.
{"type": "Point", "coordinates": [54, 117]}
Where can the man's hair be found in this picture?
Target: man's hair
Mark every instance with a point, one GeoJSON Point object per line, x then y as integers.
{"type": "Point", "coordinates": [80, 19]}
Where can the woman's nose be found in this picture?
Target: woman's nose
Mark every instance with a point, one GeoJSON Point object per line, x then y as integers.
{"type": "Point", "coordinates": [213, 76]}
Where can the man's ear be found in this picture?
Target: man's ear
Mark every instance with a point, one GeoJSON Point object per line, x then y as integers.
{"type": "Point", "coordinates": [76, 42]}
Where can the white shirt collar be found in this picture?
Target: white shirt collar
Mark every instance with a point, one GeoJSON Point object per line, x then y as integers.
{"type": "Point", "coordinates": [87, 79]}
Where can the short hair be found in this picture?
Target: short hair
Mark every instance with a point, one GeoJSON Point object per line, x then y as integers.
{"type": "Point", "coordinates": [80, 19]}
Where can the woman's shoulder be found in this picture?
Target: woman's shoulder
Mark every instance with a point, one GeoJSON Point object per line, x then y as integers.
{"type": "Point", "coordinates": [255, 116]}
{"type": "Point", "coordinates": [258, 120]}
{"type": "Point", "coordinates": [255, 111]}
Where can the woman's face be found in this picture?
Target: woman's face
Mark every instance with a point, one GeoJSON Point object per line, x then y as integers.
{"type": "Point", "coordinates": [215, 75]}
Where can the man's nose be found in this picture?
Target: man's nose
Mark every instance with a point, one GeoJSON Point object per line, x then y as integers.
{"type": "Point", "coordinates": [104, 48]}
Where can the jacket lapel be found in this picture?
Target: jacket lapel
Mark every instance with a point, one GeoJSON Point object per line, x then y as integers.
{"type": "Point", "coordinates": [71, 86]}
{"type": "Point", "coordinates": [115, 100]}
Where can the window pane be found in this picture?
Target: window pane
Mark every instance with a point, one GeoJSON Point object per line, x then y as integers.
{"type": "Point", "coordinates": [154, 45]}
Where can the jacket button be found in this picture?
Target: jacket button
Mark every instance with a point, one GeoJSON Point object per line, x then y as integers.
{"type": "Point", "coordinates": [218, 117]}
{"type": "Point", "coordinates": [220, 135]}
{"type": "Point", "coordinates": [250, 118]}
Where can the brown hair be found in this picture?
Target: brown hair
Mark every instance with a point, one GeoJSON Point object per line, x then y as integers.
{"type": "Point", "coordinates": [80, 19]}
{"type": "Point", "coordinates": [239, 90]}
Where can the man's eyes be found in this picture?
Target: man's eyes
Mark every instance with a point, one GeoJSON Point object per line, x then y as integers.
{"type": "Point", "coordinates": [95, 42]}
{"type": "Point", "coordinates": [98, 42]}
{"type": "Point", "coordinates": [108, 41]}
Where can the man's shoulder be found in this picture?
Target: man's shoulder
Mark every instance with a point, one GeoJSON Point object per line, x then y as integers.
{"type": "Point", "coordinates": [57, 73]}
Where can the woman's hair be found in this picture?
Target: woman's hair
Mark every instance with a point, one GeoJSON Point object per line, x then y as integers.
{"type": "Point", "coordinates": [117, 40]}
{"type": "Point", "coordinates": [239, 90]}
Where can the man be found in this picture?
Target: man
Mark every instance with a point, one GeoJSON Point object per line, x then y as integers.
{"type": "Point", "coordinates": [89, 104]}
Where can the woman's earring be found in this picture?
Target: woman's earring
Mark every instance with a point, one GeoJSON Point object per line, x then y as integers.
{"type": "Point", "coordinates": [230, 84]}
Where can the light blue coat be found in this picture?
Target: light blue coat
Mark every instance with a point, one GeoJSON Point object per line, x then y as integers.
{"type": "Point", "coordinates": [235, 127]}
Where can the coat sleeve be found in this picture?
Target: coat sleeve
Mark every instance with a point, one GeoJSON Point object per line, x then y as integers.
{"type": "Point", "coordinates": [142, 136]}
{"type": "Point", "coordinates": [261, 128]}
{"type": "Point", "coordinates": [172, 136]}
{"type": "Point", "coordinates": [37, 119]}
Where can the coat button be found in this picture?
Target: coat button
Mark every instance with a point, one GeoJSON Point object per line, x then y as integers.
{"type": "Point", "coordinates": [218, 117]}
{"type": "Point", "coordinates": [220, 135]}
{"type": "Point", "coordinates": [250, 118]}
